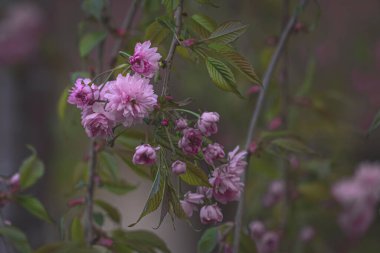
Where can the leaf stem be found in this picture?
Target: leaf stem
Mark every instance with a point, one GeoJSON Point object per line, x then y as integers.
{"type": "Point", "coordinates": [173, 46]}
{"type": "Point", "coordinates": [255, 115]}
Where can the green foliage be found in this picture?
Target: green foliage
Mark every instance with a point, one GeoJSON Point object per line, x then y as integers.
{"type": "Point", "coordinates": [34, 206]}
{"type": "Point", "coordinates": [195, 176]}
{"type": "Point", "coordinates": [202, 25]}
{"type": "Point", "coordinates": [119, 187]}
{"type": "Point", "coordinates": [31, 170]}
{"type": "Point", "coordinates": [89, 41]}
{"type": "Point", "coordinates": [208, 241]}
{"type": "Point", "coordinates": [17, 237]}
{"type": "Point", "coordinates": [156, 33]}
{"type": "Point", "coordinates": [77, 231]}
{"type": "Point", "coordinates": [170, 4]}
{"type": "Point", "coordinates": [292, 145]}
{"type": "Point", "coordinates": [110, 210]}
{"type": "Point", "coordinates": [375, 123]}
{"type": "Point", "coordinates": [94, 8]}
{"type": "Point", "coordinates": [62, 103]}
{"type": "Point", "coordinates": [227, 32]}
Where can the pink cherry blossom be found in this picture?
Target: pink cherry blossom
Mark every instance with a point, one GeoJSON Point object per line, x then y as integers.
{"type": "Point", "coordinates": [191, 141]}
{"type": "Point", "coordinates": [82, 94]}
{"type": "Point", "coordinates": [227, 186]}
{"type": "Point", "coordinates": [275, 193]}
{"type": "Point", "coordinates": [96, 123]}
{"type": "Point", "coordinates": [211, 214]}
{"type": "Point", "coordinates": [145, 60]}
{"type": "Point", "coordinates": [131, 98]}
{"type": "Point", "coordinates": [207, 123]}
{"type": "Point", "coordinates": [237, 161]}
{"type": "Point", "coordinates": [145, 154]}
{"type": "Point", "coordinates": [188, 208]}
{"type": "Point", "coordinates": [256, 230]}
{"type": "Point", "coordinates": [205, 191]}
{"type": "Point", "coordinates": [194, 198]}
{"type": "Point", "coordinates": [268, 243]}
{"type": "Point", "coordinates": [180, 124]}
{"type": "Point", "coordinates": [179, 167]}
{"type": "Point", "coordinates": [356, 221]}
{"type": "Point", "coordinates": [213, 152]}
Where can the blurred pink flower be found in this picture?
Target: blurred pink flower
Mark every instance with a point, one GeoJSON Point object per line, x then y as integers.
{"type": "Point", "coordinates": [180, 124]}
{"type": "Point", "coordinates": [275, 193]}
{"type": "Point", "coordinates": [356, 221]}
{"type": "Point", "coordinates": [188, 208]}
{"type": "Point", "coordinates": [145, 60]}
{"type": "Point", "coordinates": [188, 42]}
{"type": "Point", "coordinates": [211, 214]}
{"type": "Point", "coordinates": [213, 152]}
{"type": "Point", "coordinates": [145, 154]}
{"type": "Point", "coordinates": [256, 230]}
{"type": "Point", "coordinates": [254, 89]}
{"type": "Point", "coordinates": [207, 123]}
{"type": "Point", "coordinates": [275, 123]}
{"type": "Point", "coordinates": [268, 243]}
{"type": "Point", "coordinates": [191, 141]}
{"type": "Point", "coordinates": [106, 242]}
{"type": "Point", "coordinates": [307, 234]}
{"type": "Point", "coordinates": [194, 198]}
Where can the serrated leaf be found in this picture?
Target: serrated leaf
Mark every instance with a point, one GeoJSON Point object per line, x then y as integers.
{"type": "Point", "coordinates": [17, 237]}
{"type": "Point", "coordinates": [155, 196]}
{"type": "Point", "coordinates": [202, 25]}
{"type": "Point", "coordinates": [94, 7]}
{"type": "Point", "coordinates": [31, 170]}
{"type": "Point", "coordinates": [241, 64]}
{"type": "Point", "coordinates": [195, 176]}
{"type": "Point", "coordinates": [227, 32]}
{"type": "Point", "coordinates": [89, 41]}
{"type": "Point", "coordinates": [208, 241]}
{"type": "Point", "coordinates": [156, 33]}
{"type": "Point", "coordinates": [221, 75]}
{"type": "Point", "coordinates": [119, 187]}
{"type": "Point", "coordinates": [111, 211]}
{"type": "Point", "coordinates": [375, 123]}
{"type": "Point", "coordinates": [77, 231]}
{"type": "Point", "coordinates": [33, 206]}
{"type": "Point", "coordinates": [62, 103]}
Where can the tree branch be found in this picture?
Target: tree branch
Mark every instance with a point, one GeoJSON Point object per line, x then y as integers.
{"type": "Point", "coordinates": [90, 193]}
{"type": "Point", "coordinates": [173, 46]}
{"type": "Point", "coordinates": [255, 115]}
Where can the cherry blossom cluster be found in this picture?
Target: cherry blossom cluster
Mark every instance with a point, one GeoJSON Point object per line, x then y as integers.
{"type": "Point", "coordinates": [124, 101]}
{"type": "Point", "coordinates": [358, 196]}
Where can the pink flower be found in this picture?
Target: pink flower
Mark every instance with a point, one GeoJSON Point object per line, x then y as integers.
{"type": "Point", "coordinates": [207, 123]}
{"type": "Point", "coordinates": [269, 243]}
{"type": "Point", "coordinates": [14, 182]}
{"type": "Point", "coordinates": [180, 124]}
{"type": "Point", "coordinates": [254, 89]}
{"type": "Point", "coordinates": [96, 123]}
{"type": "Point", "coordinates": [188, 42]}
{"type": "Point", "coordinates": [257, 230]}
{"type": "Point", "coordinates": [349, 192]}
{"type": "Point", "coordinates": [194, 198]}
{"type": "Point", "coordinates": [368, 177]}
{"type": "Point", "coordinates": [227, 186]}
{"type": "Point", "coordinates": [179, 167]}
{"type": "Point", "coordinates": [145, 154]}
{"type": "Point", "coordinates": [307, 234]}
{"type": "Point", "coordinates": [356, 221]}
{"type": "Point", "coordinates": [211, 214]}
{"type": "Point", "coordinates": [82, 94]}
{"type": "Point", "coordinates": [191, 141]}
{"type": "Point", "coordinates": [76, 202]}
{"type": "Point", "coordinates": [213, 152]}
{"type": "Point", "coordinates": [275, 193]}
{"type": "Point", "coordinates": [130, 98]}
{"type": "Point", "coordinates": [275, 123]}
{"type": "Point", "coordinates": [237, 161]}
{"type": "Point", "coordinates": [205, 191]}
{"type": "Point", "coordinates": [145, 60]}
{"type": "Point", "coordinates": [188, 208]}
{"type": "Point", "coordinates": [106, 242]}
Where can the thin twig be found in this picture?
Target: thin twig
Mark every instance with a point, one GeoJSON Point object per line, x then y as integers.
{"type": "Point", "coordinates": [255, 115]}
{"type": "Point", "coordinates": [173, 46]}
{"type": "Point", "coordinates": [90, 193]}
{"type": "Point", "coordinates": [125, 26]}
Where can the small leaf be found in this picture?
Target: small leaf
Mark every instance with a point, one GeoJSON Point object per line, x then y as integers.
{"type": "Point", "coordinates": [33, 206]}
{"type": "Point", "coordinates": [89, 41]}
{"type": "Point", "coordinates": [155, 196]}
{"type": "Point", "coordinates": [31, 170]}
{"type": "Point", "coordinates": [119, 187]}
{"type": "Point", "coordinates": [98, 218]}
{"type": "Point", "coordinates": [195, 176]}
{"type": "Point", "coordinates": [375, 123]}
{"type": "Point", "coordinates": [202, 25]}
{"type": "Point", "coordinates": [156, 33]}
{"type": "Point", "coordinates": [111, 211]}
{"type": "Point", "coordinates": [62, 103]}
{"type": "Point", "coordinates": [94, 7]}
{"type": "Point", "coordinates": [221, 75]}
{"type": "Point", "coordinates": [227, 33]}
{"type": "Point", "coordinates": [208, 241]}
{"type": "Point", "coordinates": [77, 231]}
{"type": "Point", "coordinates": [17, 237]}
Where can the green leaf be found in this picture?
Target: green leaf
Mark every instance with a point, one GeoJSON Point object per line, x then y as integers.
{"type": "Point", "coordinates": [155, 196]}
{"type": "Point", "coordinates": [119, 187]}
{"type": "Point", "coordinates": [140, 240]}
{"type": "Point", "coordinates": [175, 204]}
{"type": "Point", "coordinates": [89, 41]}
{"type": "Point", "coordinates": [62, 103]}
{"type": "Point", "coordinates": [156, 33]}
{"type": "Point", "coordinates": [375, 123]}
{"type": "Point", "coordinates": [316, 191]}
{"type": "Point", "coordinates": [33, 206]}
{"type": "Point", "coordinates": [221, 75]}
{"type": "Point", "coordinates": [108, 162]}
{"type": "Point", "coordinates": [170, 4]}
{"type": "Point", "coordinates": [139, 170]}
{"type": "Point", "coordinates": [202, 25]}
{"type": "Point", "coordinates": [292, 145]}
{"type": "Point", "coordinates": [111, 211]}
{"type": "Point", "coordinates": [94, 7]}
{"type": "Point", "coordinates": [241, 64]}
{"type": "Point", "coordinates": [98, 218]}
{"type": "Point", "coordinates": [17, 237]}
{"type": "Point", "coordinates": [208, 241]}
{"type": "Point", "coordinates": [227, 32]}
{"type": "Point", "coordinates": [77, 231]}
{"type": "Point", "coordinates": [195, 176]}
{"type": "Point", "coordinates": [31, 170]}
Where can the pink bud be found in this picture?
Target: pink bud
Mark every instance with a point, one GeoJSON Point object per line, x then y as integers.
{"type": "Point", "coordinates": [14, 182]}
{"type": "Point", "coordinates": [275, 123]}
{"type": "Point", "coordinates": [76, 202]}
{"type": "Point", "coordinates": [106, 242]}
{"type": "Point", "coordinates": [253, 147]}
{"type": "Point", "coordinates": [188, 42]}
{"type": "Point", "coordinates": [145, 154]}
{"type": "Point", "coordinates": [180, 124]}
{"type": "Point", "coordinates": [179, 167]}
{"type": "Point", "coordinates": [254, 89]}
{"type": "Point", "coordinates": [164, 122]}
{"type": "Point", "coordinates": [211, 214]}
{"type": "Point", "coordinates": [120, 32]}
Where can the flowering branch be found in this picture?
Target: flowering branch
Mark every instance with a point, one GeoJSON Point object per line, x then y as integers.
{"type": "Point", "coordinates": [173, 46]}
{"type": "Point", "coordinates": [90, 193]}
{"type": "Point", "coordinates": [256, 113]}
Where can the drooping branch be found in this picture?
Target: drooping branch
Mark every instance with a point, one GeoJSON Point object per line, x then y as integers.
{"type": "Point", "coordinates": [256, 112]}
{"type": "Point", "coordinates": [173, 46]}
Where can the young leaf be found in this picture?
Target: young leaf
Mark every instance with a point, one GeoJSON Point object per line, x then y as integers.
{"type": "Point", "coordinates": [77, 231]}
{"type": "Point", "coordinates": [195, 176]}
{"type": "Point", "coordinates": [155, 196]}
{"type": "Point", "coordinates": [111, 211]}
{"type": "Point", "coordinates": [17, 237]}
{"type": "Point", "coordinates": [98, 218]}
{"type": "Point", "coordinates": [156, 33]}
{"type": "Point", "coordinates": [375, 123]}
{"type": "Point", "coordinates": [227, 32]}
{"type": "Point", "coordinates": [202, 25]}
{"type": "Point", "coordinates": [33, 206]}
{"type": "Point", "coordinates": [221, 75]}
{"type": "Point", "coordinates": [208, 241]}
{"type": "Point", "coordinates": [31, 170]}
{"type": "Point", "coordinates": [119, 187]}
{"type": "Point", "coordinates": [93, 7]}
{"type": "Point", "coordinates": [62, 104]}
{"type": "Point", "coordinates": [89, 41]}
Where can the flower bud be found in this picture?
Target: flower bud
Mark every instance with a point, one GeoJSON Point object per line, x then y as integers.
{"type": "Point", "coordinates": [179, 167]}
{"type": "Point", "coordinates": [145, 154]}
{"type": "Point", "coordinates": [180, 124]}
{"type": "Point", "coordinates": [211, 214]}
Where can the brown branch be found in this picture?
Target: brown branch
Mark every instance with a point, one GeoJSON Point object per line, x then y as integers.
{"type": "Point", "coordinates": [90, 193]}
{"type": "Point", "coordinates": [255, 115]}
{"type": "Point", "coordinates": [173, 46]}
